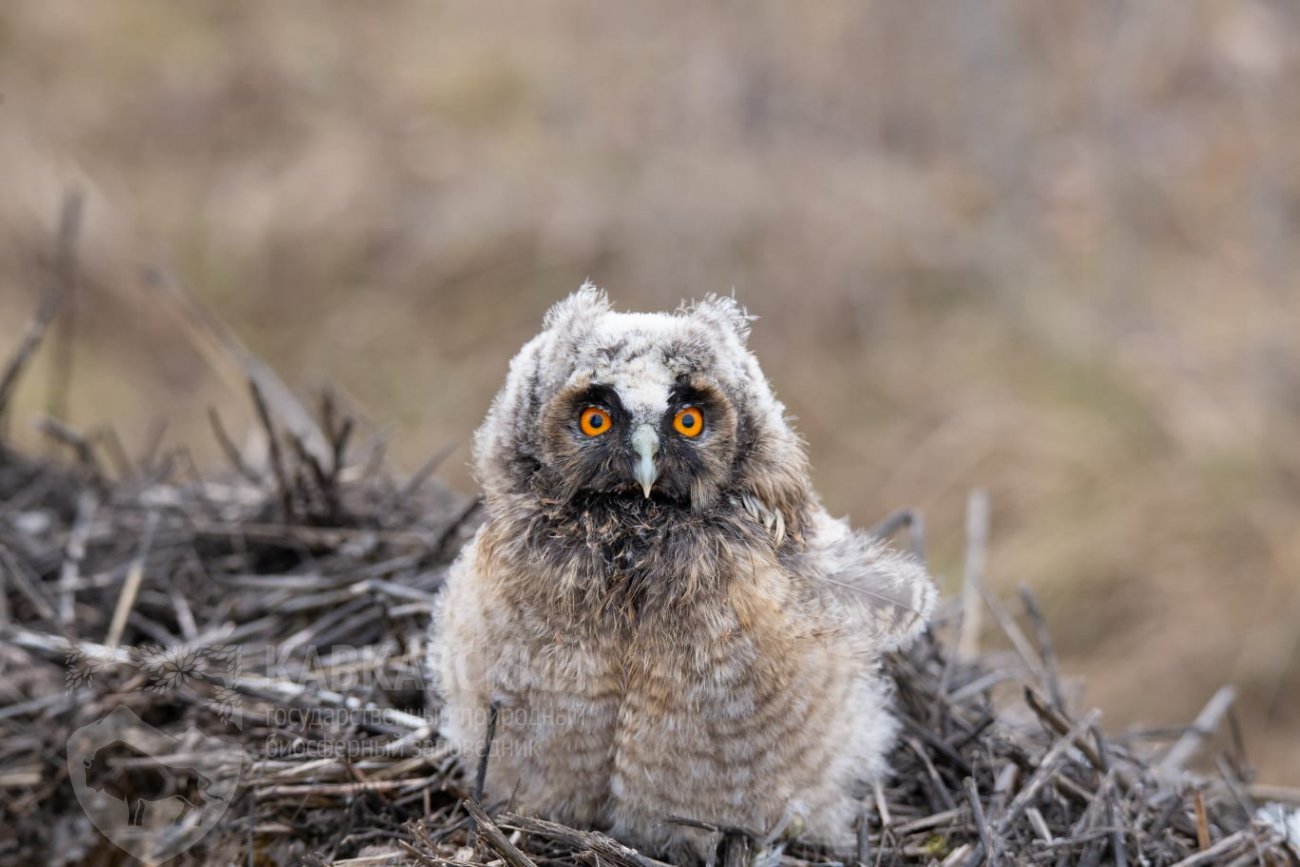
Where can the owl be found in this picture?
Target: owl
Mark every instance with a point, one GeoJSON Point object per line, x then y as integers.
{"type": "Point", "coordinates": [658, 614]}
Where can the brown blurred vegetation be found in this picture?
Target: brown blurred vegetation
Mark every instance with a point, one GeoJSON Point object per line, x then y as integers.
{"type": "Point", "coordinates": [1046, 249]}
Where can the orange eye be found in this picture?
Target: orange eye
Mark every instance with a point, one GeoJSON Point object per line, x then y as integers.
{"type": "Point", "coordinates": [594, 421]}
{"type": "Point", "coordinates": [689, 422]}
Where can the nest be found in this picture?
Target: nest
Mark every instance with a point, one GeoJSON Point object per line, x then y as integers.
{"type": "Point", "coordinates": [282, 610]}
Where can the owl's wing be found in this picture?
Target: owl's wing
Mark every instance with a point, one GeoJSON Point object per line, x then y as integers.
{"type": "Point", "coordinates": [886, 594]}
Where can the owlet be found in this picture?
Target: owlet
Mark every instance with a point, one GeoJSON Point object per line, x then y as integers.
{"type": "Point", "coordinates": [666, 618]}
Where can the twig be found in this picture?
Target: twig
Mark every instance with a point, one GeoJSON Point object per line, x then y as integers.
{"type": "Point", "coordinates": [81, 447]}
{"type": "Point", "coordinates": [1204, 725]}
{"type": "Point", "coordinates": [1224, 846]}
{"type": "Point", "coordinates": [69, 572]}
{"type": "Point", "coordinates": [65, 285]}
{"type": "Point", "coordinates": [273, 448]}
{"type": "Point", "coordinates": [1118, 849]}
{"type": "Point", "coordinates": [454, 527]}
{"type": "Point", "coordinates": [228, 447]}
{"type": "Point", "coordinates": [913, 520]}
{"type": "Point", "coordinates": [50, 304]}
{"type": "Point", "coordinates": [30, 590]}
{"type": "Point", "coordinates": [480, 775]}
{"type": "Point", "coordinates": [977, 537]}
{"type": "Point", "coordinates": [417, 854]}
{"type": "Point", "coordinates": [490, 834]}
{"type": "Point", "coordinates": [605, 848]}
{"type": "Point", "coordinates": [986, 849]}
{"type": "Point", "coordinates": [1046, 767]}
{"type": "Point", "coordinates": [131, 587]}
{"type": "Point", "coordinates": [1266, 792]}
{"type": "Point", "coordinates": [231, 359]}
{"type": "Point", "coordinates": [1058, 724]}
{"type": "Point", "coordinates": [1045, 651]}
{"type": "Point", "coordinates": [331, 790]}
{"type": "Point", "coordinates": [1202, 822]}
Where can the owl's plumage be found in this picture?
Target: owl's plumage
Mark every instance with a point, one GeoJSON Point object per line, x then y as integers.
{"type": "Point", "coordinates": [668, 620]}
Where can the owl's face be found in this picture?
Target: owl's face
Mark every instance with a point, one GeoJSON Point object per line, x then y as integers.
{"type": "Point", "coordinates": [666, 410]}
{"type": "Point", "coordinates": [632, 428]}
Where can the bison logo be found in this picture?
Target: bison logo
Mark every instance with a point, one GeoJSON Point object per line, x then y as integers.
{"type": "Point", "coordinates": [153, 794]}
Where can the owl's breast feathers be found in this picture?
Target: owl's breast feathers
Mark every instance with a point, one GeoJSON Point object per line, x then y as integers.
{"type": "Point", "coordinates": [652, 662]}
{"type": "Point", "coordinates": [601, 559]}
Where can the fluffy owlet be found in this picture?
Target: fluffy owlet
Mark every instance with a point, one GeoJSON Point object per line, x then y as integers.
{"type": "Point", "coordinates": [667, 619]}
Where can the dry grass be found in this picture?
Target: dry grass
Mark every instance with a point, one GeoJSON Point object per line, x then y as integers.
{"type": "Point", "coordinates": [284, 607]}
{"type": "Point", "coordinates": [1046, 250]}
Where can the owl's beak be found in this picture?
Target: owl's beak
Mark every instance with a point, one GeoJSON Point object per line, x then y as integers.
{"type": "Point", "coordinates": [645, 442]}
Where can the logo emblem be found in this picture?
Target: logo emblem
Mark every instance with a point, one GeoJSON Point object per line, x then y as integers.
{"type": "Point", "coordinates": [153, 794]}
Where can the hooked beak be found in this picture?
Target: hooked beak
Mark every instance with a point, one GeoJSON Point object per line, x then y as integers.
{"type": "Point", "coordinates": [645, 442]}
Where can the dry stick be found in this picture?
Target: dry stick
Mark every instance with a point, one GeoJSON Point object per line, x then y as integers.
{"type": "Point", "coordinates": [957, 856]}
{"type": "Point", "coordinates": [932, 773]}
{"type": "Point", "coordinates": [882, 808]}
{"type": "Point", "coordinates": [65, 285]}
{"type": "Point", "coordinates": [417, 854]}
{"type": "Point", "coordinates": [736, 850]}
{"type": "Point", "coordinates": [273, 445]}
{"type": "Point", "coordinates": [1119, 850]}
{"type": "Point", "coordinates": [480, 775]}
{"type": "Point", "coordinates": [606, 849]}
{"type": "Point", "coordinates": [915, 524]}
{"type": "Point", "coordinates": [272, 689]}
{"type": "Point", "coordinates": [489, 833]}
{"type": "Point", "coordinates": [70, 571]}
{"type": "Point", "coordinates": [413, 484]}
{"type": "Point", "coordinates": [974, 589]}
{"type": "Point", "coordinates": [231, 359]}
{"type": "Point", "coordinates": [986, 847]}
{"type": "Point", "coordinates": [82, 447]}
{"type": "Point", "coordinates": [1204, 725]}
{"type": "Point", "coordinates": [111, 444]}
{"type": "Point", "coordinates": [31, 590]}
{"type": "Point", "coordinates": [1202, 822]}
{"type": "Point", "coordinates": [1045, 650]}
{"type": "Point", "coordinates": [863, 852]}
{"type": "Point", "coordinates": [228, 447]}
{"type": "Point", "coordinates": [1039, 824]}
{"type": "Point", "coordinates": [933, 820]}
{"type": "Point", "coordinates": [1058, 724]}
{"type": "Point", "coordinates": [1014, 634]}
{"type": "Point", "coordinates": [33, 335]}
{"type": "Point", "coordinates": [131, 587]}
{"type": "Point", "coordinates": [1207, 856]}
{"type": "Point", "coordinates": [4, 597]}
{"type": "Point", "coordinates": [330, 790]}
{"type": "Point", "coordinates": [1046, 767]}
{"type": "Point", "coordinates": [1266, 792]}
{"type": "Point", "coordinates": [977, 537]}
{"type": "Point", "coordinates": [450, 531]}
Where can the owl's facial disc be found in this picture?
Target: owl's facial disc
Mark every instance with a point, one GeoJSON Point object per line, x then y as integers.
{"type": "Point", "coordinates": [637, 443]}
{"type": "Point", "coordinates": [645, 442]}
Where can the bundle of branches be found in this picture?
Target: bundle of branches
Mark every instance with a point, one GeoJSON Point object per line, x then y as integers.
{"type": "Point", "coordinates": [319, 573]}
{"type": "Point", "coordinates": [279, 614]}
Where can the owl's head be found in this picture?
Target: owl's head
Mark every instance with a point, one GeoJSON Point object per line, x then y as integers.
{"type": "Point", "coordinates": [667, 408]}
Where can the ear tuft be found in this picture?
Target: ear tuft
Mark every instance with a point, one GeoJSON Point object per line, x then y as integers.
{"type": "Point", "coordinates": [588, 302]}
{"type": "Point", "coordinates": [721, 311]}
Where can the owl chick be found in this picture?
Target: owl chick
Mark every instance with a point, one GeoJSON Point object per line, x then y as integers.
{"type": "Point", "coordinates": [664, 615]}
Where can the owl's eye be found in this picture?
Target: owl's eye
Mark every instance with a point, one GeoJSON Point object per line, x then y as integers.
{"type": "Point", "coordinates": [594, 421]}
{"type": "Point", "coordinates": [689, 421]}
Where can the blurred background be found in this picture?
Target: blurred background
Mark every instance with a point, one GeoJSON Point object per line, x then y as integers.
{"type": "Point", "coordinates": [1049, 250]}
